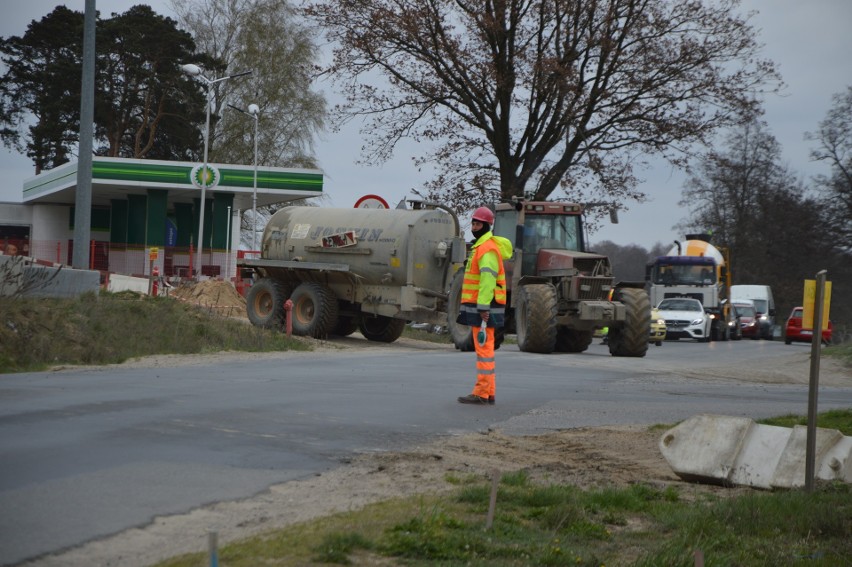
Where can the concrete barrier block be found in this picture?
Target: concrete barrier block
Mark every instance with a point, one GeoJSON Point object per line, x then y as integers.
{"type": "Point", "coordinates": [735, 450]}
{"type": "Point", "coordinates": [759, 455]}
{"type": "Point", "coordinates": [704, 447]}
{"type": "Point", "coordinates": [790, 471]}
{"type": "Point", "coordinates": [836, 464]}
{"type": "Point", "coordinates": [11, 275]}
{"type": "Point", "coordinates": [119, 282]}
{"type": "Point", "coordinates": [43, 281]}
{"type": "Point", "coordinates": [28, 277]}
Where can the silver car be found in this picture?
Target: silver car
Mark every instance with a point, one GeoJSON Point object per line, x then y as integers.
{"type": "Point", "coordinates": [685, 319]}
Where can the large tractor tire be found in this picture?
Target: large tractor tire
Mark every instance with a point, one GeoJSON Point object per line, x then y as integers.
{"type": "Point", "coordinates": [380, 328]}
{"type": "Point", "coordinates": [631, 339]}
{"type": "Point", "coordinates": [265, 303]}
{"type": "Point", "coordinates": [461, 334]}
{"type": "Point", "coordinates": [346, 325]}
{"type": "Point", "coordinates": [314, 310]}
{"type": "Point", "coordinates": [572, 340]}
{"type": "Point", "coordinates": [535, 316]}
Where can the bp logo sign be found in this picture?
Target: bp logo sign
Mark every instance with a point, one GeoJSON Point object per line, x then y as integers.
{"type": "Point", "coordinates": [202, 177]}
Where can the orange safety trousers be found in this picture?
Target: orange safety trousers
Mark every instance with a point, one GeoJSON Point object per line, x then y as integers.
{"type": "Point", "coordinates": [484, 386]}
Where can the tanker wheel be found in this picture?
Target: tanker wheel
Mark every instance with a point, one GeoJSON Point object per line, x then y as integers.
{"type": "Point", "coordinates": [461, 334]}
{"type": "Point", "coordinates": [380, 328]}
{"type": "Point", "coordinates": [535, 315]}
{"type": "Point", "coordinates": [314, 310]}
{"type": "Point", "coordinates": [265, 303]}
{"type": "Point", "coordinates": [631, 339]}
{"type": "Point", "coordinates": [346, 325]}
{"type": "Point", "coordinates": [572, 340]}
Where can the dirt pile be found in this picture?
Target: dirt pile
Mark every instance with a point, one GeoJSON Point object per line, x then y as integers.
{"type": "Point", "coordinates": [216, 295]}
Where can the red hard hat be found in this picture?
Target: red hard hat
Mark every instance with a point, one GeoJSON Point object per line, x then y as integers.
{"type": "Point", "coordinates": [483, 214]}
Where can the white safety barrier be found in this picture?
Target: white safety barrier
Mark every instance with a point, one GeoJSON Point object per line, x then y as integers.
{"type": "Point", "coordinates": [119, 282]}
{"type": "Point", "coordinates": [737, 451]}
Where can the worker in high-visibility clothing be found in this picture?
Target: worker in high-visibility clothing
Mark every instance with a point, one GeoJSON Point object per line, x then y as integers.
{"type": "Point", "coordinates": [483, 298]}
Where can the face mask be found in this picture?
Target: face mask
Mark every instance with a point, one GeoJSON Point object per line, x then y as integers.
{"type": "Point", "coordinates": [478, 233]}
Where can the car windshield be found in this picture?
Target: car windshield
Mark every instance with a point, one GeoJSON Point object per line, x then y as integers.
{"type": "Point", "coordinates": [680, 305]}
{"type": "Point", "coordinates": [745, 310]}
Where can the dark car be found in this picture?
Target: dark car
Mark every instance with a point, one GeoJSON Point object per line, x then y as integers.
{"type": "Point", "coordinates": [793, 330]}
{"type": "Point", "coordinates": [749, 322]}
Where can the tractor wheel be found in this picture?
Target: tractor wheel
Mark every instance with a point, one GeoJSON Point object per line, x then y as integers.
{"type": "Point", "coordinates": [314, 310]}
{"type": "Point", "coordinates": [572, 340]}
{"type": "Point", "coordinates": [380, 328]}
{"type": "Point", "coordinates": [346, 325]}
{"type": "Point", "coordinates": [631, 339]}
{"type": "Point", "coordinates": [461, 334]}
{"type": "Point", "coordinates": [535, 314]}
{"type": "Point", "coordinates": [265, 303]}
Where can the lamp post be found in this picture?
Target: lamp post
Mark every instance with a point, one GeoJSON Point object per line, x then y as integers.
{"type": "Point", "coordinates": [254, 112]}
{"type": "Point", "coordinates": [195, 71]}
{"type": "Point", "coordinates": [228, 247]}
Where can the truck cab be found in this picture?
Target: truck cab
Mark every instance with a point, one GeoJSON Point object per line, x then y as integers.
{"type": "Point", "coordinates": [698, 271]}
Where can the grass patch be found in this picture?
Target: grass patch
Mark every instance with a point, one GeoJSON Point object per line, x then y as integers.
{"type": "Point", "coordinates": [543, 524]}
{"type": "Point", "coordinates": [841, 352]}
{"type": "Point", "coordinates": [840, 419]}
{"type": "Point", "coordinates": [36, 333]}
{"type": "Point", "coordinates": [563, 525]}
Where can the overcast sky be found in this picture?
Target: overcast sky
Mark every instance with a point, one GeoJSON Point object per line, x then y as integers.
{"type": "Point", "coordinates": [809, 40]}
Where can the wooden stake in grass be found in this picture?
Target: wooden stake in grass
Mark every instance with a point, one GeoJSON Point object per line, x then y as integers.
{"type": "Point", "coordinates": [492, 504]}
{"type": "Point", "coordinates": [212, 545]}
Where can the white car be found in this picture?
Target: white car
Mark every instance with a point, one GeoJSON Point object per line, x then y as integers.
{"type": "Point", "coordinates": [685, 319]}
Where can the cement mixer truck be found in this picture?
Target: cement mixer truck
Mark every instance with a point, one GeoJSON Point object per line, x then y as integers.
{"type": "Point", "coordinates": [695, 269]}
{"type": "Point", "coordinates": [355, 269]}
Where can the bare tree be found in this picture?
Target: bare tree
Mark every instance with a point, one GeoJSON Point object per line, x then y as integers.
{"type": "Point", "coordinates": [732, 192]}
{"type": "Point", "coordinates": [759, 211]}
{"type": "Point", "coordinates": [728, 185]}
{"type": "Point", "coordinates": [834, 137]}
{"type": "Point", "coordinates": [523, 97]}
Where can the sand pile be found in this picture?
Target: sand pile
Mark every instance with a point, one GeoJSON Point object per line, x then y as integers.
{"type": "Point", "coordinates": [216, 295]}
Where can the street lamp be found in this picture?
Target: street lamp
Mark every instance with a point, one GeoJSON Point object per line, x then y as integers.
{"type": "Point", "coordinates": [254, 112]}
{"type": "Point", "coordinates": [195, 71]}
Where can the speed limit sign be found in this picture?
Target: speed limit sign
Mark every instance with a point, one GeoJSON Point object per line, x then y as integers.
{"type": "Point", "coordinates": [371, 202]}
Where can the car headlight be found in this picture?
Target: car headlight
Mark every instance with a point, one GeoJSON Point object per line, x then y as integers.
{"type": "Point", "coordinates": [697, 321]}
{"type": "Point", "coordinates": [661, 322]}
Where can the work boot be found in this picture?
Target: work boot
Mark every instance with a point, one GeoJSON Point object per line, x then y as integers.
{"type": "Point", "coordinates": [492, 400]}
{"type": "Point", "coordinates": [472, 399]}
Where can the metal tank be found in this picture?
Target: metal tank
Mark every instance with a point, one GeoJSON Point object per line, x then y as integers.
{"type": "Point", "coordinates": [387, 247]}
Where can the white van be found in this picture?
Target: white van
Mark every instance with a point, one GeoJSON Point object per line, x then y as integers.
{"type": "Point", "coordinates": [764, 303]}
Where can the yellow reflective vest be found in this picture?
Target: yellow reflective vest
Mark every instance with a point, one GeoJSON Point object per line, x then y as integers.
{"type": "Point", "coordinates": [484, 275]}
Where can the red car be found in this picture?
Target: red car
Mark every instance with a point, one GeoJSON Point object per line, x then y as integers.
{"type": "Point", "coordinates": [793, 331]}
{"type": "Point", "coordinates": [749, 322]}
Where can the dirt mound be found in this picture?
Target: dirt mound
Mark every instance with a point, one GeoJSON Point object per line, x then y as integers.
{"type": "Point", "coordinates": [216, 295]}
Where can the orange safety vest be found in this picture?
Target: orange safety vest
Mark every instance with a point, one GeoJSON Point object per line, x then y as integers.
{"type": "Point", "coordinates": [470, 286]}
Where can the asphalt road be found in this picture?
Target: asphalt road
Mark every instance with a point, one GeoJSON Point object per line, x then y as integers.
{"type": "Point", "coordinates": [88, 453]}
